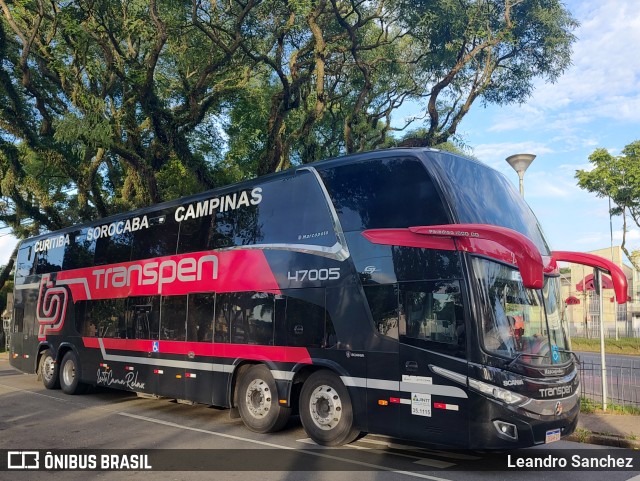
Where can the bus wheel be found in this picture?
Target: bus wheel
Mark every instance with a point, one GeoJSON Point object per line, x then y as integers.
{"type": "Point", "coordinates": [325, 410]}
{"type": "Point", "coordinates": [70, 374]}
{"type": "Point", "coordinates": [258, 401]}
{"type": "Point", "coordinates": [49, 370]}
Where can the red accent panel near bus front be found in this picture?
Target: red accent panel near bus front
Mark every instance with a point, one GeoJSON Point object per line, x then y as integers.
{"type": "Point", "coordinates": [499, 243]}
{"type": "Point", "coordinates": [617, 275]}
{"type": "Point", "coordinates": [526, 254]}
{"type": "Point", "coordinates": [406, 238]}
{"type": "Point", "coordinates": [211, 271]}
{"type": "Point", "coordinates": [207, 349]}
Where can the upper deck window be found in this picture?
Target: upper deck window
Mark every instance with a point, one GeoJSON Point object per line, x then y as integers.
{"type": "Point", "coordinates": [384, 193]}
{"type": "Point", "coordinates": [481, 195]}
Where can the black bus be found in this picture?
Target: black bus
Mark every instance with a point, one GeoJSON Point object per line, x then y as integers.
{"type": "Point", "coordinates": [405, 292]}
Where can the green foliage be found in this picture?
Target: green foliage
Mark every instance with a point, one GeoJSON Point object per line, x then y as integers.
{"type": "Point", "coordinates": [618, 178]}
{"type": "Point", "coordinates": [167, 176]}
{"type": "Point", "coordinates": [111, 105]}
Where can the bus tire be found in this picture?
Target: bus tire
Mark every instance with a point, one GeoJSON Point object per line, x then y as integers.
{"type": "Point", "coordinates": [70, 374]}
{"type": "Point", "coordinates": [258, 401]}
{"type": "Point", "coordinates": [326, 411]}
{"type": "Point", "coordinates": [48, 370]}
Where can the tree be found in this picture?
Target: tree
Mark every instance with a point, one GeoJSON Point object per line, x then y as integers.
{"type": "Point", "coordinates": [618, 178]}
{"type": "Point", "coordinates": [490, 50]}
{"type": "Point", "coordinates": [107, 106]}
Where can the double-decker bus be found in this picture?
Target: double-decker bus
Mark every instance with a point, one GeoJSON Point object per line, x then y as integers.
{"type": "Point", "coordinates": [405, 292]}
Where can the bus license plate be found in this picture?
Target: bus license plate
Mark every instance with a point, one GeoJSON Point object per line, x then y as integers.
{"type": "Point", "coordinates": [552, 435]}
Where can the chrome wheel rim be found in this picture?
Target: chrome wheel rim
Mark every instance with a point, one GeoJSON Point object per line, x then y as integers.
{"type": "Point", "coordinates": [69, 373]}
{"type": "Point", "coordinates": [325, 407]}
{"type": "Point", "coordinates": [48, 368]}
{"type": "Point", "coordinates": [258, 398]}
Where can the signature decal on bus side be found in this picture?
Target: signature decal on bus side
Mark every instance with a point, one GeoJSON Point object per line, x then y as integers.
{"type": "Point", "coordinates": [130, 380]}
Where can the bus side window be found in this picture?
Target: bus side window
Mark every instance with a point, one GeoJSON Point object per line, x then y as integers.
{"type": "Point", "coordinates": [383, 302]}
{"type": "Point", "coordinates": [200, 313]}
{"type": "Point", "coordinates": [261, 318]}
{"type": "Point", "coordinates": [18, 318]}
{"type": "Point", "coordinates": [142, 316]}
{"type": "Point", "coordinates": [432, 313]}
{"type": "Point", "coordinates": [173, 316]}
{"type": "Point", "coordinates": [113, 249]}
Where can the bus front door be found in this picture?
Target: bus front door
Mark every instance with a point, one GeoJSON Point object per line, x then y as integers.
{"type": "Point", "coordinates": [435, 407]}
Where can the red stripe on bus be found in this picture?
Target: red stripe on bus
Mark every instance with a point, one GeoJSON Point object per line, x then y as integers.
{"type": "Point", "coordinates": [232, 351]}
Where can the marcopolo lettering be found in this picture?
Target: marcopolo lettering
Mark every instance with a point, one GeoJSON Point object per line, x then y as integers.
{"type": "Point", "coordinates": [223, 203]}
{"type": "Point", "coordinates": [120, 227]}
{"type": "Point", "coordinates": [187, 269]}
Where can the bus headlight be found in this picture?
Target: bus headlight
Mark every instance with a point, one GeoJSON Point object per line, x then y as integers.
{"type": "Point", "coordinates": [496, 392]}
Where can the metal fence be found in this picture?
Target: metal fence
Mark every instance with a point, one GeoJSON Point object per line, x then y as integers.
{"type": "Point", "coordinates": [609, 332]}
{"type": "Point", "coordinates": [623, 381]}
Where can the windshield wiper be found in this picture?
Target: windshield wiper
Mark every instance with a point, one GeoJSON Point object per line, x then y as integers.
{"type": "Point", "coordinates": [519, 355]}
{"type": "Point", "coordinates": [575, 356]}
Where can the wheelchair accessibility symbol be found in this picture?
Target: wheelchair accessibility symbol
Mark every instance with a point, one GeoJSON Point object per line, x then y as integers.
{"type": "Point", "coordinates": [555, 354]}
{"type": "Point", "coordinates": [156, 346]}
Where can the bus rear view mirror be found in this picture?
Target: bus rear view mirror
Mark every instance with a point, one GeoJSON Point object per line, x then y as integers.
{"type": "Point", "coordinates": [591, 260]}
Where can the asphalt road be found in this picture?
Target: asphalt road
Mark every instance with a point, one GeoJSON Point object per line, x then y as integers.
{"type": "Point", "coordinates": [623, 377]}
{"type": "Point", "coordinates": [33, 418]}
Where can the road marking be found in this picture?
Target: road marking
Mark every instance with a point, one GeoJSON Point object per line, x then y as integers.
{"type": "Point", "coordinates": [416, 459]}
{"type": "Point", "coordinates": [286, 448]}
{"type": "Point", "coordinates": [231, 436]}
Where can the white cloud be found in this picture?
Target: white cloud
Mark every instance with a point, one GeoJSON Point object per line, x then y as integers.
{"type": "Point", "coordinates": [602, 82]}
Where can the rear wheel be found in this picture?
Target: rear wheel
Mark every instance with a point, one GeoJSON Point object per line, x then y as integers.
{"type": "Point", "coordinates": [325, 410]}
{"type": "Point", "coordinates": [258, 401]}
{"type": "Point", "coordinates": [49, 370]}
{"type": "Point", "coordinates": [70, 374]}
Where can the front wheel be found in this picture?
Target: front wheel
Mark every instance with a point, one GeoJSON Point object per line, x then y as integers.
{"type": "Point", "coordinates": [325, 410]}
{"type": "Point", "coordinates": [49, 370]}
{"type": "Point", "coordinates": [70, 374]}
{"type": "Point", "coordinates": [258, 401]}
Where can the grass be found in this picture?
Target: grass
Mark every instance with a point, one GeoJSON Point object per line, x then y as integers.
{"type": "Point", "coordinates": [587, 406]}
{"type": "Point", "coordinates": [624, 345]}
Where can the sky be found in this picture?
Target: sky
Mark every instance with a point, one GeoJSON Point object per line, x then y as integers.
{"type": "Point", "coordinates": [595, 103]}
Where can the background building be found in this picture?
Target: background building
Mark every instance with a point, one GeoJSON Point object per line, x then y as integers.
{"type": "Point", "coordinates": [583, 302]}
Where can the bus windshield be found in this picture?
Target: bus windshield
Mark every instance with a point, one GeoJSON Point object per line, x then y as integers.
{"type": "Point", "coordinates": [522, 324]}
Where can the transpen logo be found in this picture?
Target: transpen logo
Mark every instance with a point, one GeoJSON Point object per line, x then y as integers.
{"type": "Point", "coordinates": [52, 307]}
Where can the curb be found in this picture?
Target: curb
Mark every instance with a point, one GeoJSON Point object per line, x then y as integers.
{"type": "Point", "coordinates": [604, 440]}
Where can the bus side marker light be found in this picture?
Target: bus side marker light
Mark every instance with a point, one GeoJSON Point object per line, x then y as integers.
{"type": "Point", "coordinates": [158, 371]}
{"type": "Point", "coordinates": [15, 355]}
{"type": "Point", "coordinates": [450, 407]}
{"type": "Point", "coordinates": [26, 356]}
{"type": "Point", "coordinates": [190, 375]}
{"type": "Point", "coordinates": [383, 402]}
{"type": "Point", "coordinates": [394, 400]}
{"type": "Point", "coordinates": [282, 401]}
{"type": "Point", "coordinates": [178, 376]}
{"type": "Point", "coordinates": [103, 365]}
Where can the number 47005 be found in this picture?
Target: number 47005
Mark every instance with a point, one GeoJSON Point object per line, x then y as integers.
{"type": "Point", "coordinates": [315, 274]}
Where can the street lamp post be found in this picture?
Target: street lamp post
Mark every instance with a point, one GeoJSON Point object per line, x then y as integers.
{"type": "Point", "coordinates": [520, 162]}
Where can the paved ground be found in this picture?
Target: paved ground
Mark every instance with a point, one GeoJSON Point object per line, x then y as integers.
{"type": "Point", "coordinates": [621, 430]}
